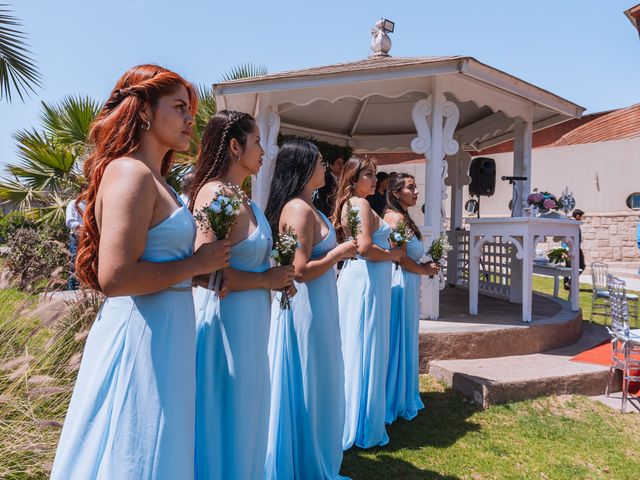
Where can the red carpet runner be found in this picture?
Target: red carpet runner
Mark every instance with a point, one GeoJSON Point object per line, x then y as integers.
{"type": "Point", "coordinates": [601, 355]}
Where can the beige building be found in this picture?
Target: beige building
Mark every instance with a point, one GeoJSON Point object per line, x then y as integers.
{"type": "Point", "coordinates": [597, 157]}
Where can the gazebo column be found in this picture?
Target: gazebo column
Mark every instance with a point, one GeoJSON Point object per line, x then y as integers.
{"type": "Point", "coordinates": [268, 121]}
{"type": "Point", "coordinates": [458, 178]}
{"type": "Point", "coordinates": [435, 120]}
{"type": "Point", "coordinates": [522, 147]}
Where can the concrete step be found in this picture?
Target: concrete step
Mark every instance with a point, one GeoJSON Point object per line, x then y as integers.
{"type": "Point", "coordinates": [491, 381]}
{"type": "Point", "coordinates": [497, 330]}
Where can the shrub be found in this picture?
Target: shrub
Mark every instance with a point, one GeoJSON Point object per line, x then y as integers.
{"type": "Point", "coordinates": [38, 257]}
{"type": "Point", "coordinates": [11, 222]}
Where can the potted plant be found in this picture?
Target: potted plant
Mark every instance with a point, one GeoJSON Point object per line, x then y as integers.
{"type": "Point", "coordinates": [558, 256]}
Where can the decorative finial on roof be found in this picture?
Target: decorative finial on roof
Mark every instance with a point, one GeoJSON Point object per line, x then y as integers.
{"type": "Point", "coordinates": [381, 43]}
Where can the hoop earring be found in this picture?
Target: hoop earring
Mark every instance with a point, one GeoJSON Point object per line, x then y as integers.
{"type": "Point", "coordinates": [146, 126]}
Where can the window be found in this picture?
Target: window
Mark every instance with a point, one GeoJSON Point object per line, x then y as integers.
{"type": "Point", "coordinates": [633, 201]}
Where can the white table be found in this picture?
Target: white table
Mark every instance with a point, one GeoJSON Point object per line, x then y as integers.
{"type": "Point", "coordinates": [524, 233]}
{"type": "Point", "coordinates": [554, 271]}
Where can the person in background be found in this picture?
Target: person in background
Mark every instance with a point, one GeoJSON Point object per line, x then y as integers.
{"type": "Point", "coordinates": [73, 221]}
{"type": "Point", "coordinates": [186, 184]}
{"type": "Point", "coordinates": [325, 199]}
{"type": "Point", "coordinates": [579, 216]}
{"type": "Point", "coordinates": [378, 200]}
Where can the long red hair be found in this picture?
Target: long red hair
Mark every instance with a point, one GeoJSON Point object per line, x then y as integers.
{"type": "Point", "coordinates": [116, 133]}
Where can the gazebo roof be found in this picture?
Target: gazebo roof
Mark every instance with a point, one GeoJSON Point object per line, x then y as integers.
{"type": "Point", "coordinates": [367, 103]}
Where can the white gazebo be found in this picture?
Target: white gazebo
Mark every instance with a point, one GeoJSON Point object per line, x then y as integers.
{"type": "Point", "coordinates": [444, 108]}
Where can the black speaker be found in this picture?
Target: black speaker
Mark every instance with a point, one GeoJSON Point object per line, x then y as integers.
{"type": "Point", "coordinates": [483, 176]}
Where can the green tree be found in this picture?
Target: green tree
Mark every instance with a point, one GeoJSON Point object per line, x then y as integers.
{"type": "Point", "coordinates": [18, 72]}
{"type": "Point", "coordinates": [49, 167]}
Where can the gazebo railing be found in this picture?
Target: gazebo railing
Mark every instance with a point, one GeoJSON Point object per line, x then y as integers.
{"type": "Point", "coordinates": [495, 265]}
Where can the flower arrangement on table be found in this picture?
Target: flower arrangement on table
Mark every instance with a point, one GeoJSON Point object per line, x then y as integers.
{"type": "Point", "coordinates": [543, 201]}
{"type": "Point", "coordinates": [284, 252]}
{"type": "Point", "coordinates": [558, 255]}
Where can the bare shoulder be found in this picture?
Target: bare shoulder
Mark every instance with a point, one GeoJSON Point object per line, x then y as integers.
{"type": "Point", "coordinates": [127, 174]}
{"type": "Point", "coordinates": [127, 170]}
{"type": "Point", "coordinates": [392, 218]}
{"type": "Point", "coordinates": [297, 207]}
{"type": "Point", "coordinates": [297, 212]}
{"type": "Point", "coordinates": [362, 204]}
{"type": "Point", "coordinates": [209, 191]}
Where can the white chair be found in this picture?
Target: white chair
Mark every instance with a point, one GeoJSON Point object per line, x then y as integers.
{"type": "Point", "coordinates": [600, 294]}
{"type": "Point", "coordinates": [625, 342]}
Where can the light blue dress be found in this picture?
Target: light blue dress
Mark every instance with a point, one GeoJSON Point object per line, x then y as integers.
{"type": "Point", "coordinates": [364, 300]}
{"type": "Point", "coordinates": [403, 386]}
{"type": "Point", "coordinates": [232, 369]}
{"type": "Point", "coordinates": [132, 411]}
{"type": "Point", "coordinates": [307, 374]}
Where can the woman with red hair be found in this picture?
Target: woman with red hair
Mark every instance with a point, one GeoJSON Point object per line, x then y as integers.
{"type": "Point", "coordinates": [132, 410]}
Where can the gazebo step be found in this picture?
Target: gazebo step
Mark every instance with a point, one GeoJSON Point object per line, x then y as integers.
{"type": "Point", "coordinates": [497, 380]}
{"type": "Point", "coordinates": [498, 330]}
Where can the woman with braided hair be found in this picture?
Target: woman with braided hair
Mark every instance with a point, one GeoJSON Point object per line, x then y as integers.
{"type": "Point", "coordinates": [232, 330]}
{"type": "Point", "coordinates": [132, 414]}
{"type": "Point", "coordinates": [364, 301]}
{"type": "Point", "coordinates": [403, 393]}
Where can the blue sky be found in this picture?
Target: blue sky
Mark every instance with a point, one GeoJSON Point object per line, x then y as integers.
{"type": "Point", "coordinates": [583, 50]}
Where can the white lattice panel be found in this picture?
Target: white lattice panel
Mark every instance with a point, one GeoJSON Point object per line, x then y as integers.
{"type": "Point", "coordinates": [495, 265]}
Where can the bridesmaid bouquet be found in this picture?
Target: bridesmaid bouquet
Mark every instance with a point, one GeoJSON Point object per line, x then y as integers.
{"type": "Point", "coordinates": [284, 251]}
{"type": "Point", "coordinates": [438, 250]}
{"type": "Point", "coordinates": [400, 235]}
{"type": "Point", "coordinates": [219, 217]}
{"type": "Point", "coordinates": [353, 220]}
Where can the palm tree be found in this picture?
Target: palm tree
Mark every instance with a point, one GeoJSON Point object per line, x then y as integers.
{"type": "Point", "coordinates": [49, 170]}
{"type": "Point", "coordinates": [17, 70]}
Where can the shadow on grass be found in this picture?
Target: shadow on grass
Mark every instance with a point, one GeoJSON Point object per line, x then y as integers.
{"type": "Point", "coordinates": [443, 421]}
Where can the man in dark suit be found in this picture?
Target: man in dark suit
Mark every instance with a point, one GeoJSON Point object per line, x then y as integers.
{"type": "Point", "coordinates": [325, 200]}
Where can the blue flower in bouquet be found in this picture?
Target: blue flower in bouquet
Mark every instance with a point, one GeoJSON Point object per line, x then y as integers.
{"type": "Point", "coordinates": [215, 207]}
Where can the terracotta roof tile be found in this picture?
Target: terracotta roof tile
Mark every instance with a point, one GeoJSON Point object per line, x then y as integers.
{"type": "Point", "coordinates": [622, 123]}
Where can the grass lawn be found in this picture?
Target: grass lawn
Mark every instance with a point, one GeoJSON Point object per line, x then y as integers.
{"type": "Point", "coordinates": [545, 285]}
{"type": "Point", "coordinates": [568, 437]}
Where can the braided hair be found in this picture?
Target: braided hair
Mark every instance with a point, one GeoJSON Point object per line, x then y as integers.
{"type": "Point", "coordinates": [215, 156]}
{"type": "Point", "coordinates": [396, 183]}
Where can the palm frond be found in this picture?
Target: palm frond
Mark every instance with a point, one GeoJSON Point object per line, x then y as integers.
{"type": "Point", "coordinates": [18, 71]}
{"type": "Point", "coordinates": [244, 70]}
{"type": "Point", "coordinates": [17, 194]}
{"type": "Point", "coordinates": [206, 108]}
{"type": "Point", "coordinates": [54, 208]}
{"type": "Point", "coordinates": [69, 121]}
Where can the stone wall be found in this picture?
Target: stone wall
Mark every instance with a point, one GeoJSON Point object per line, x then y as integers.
{"type": "Point", "coordinates": [610, 237]}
